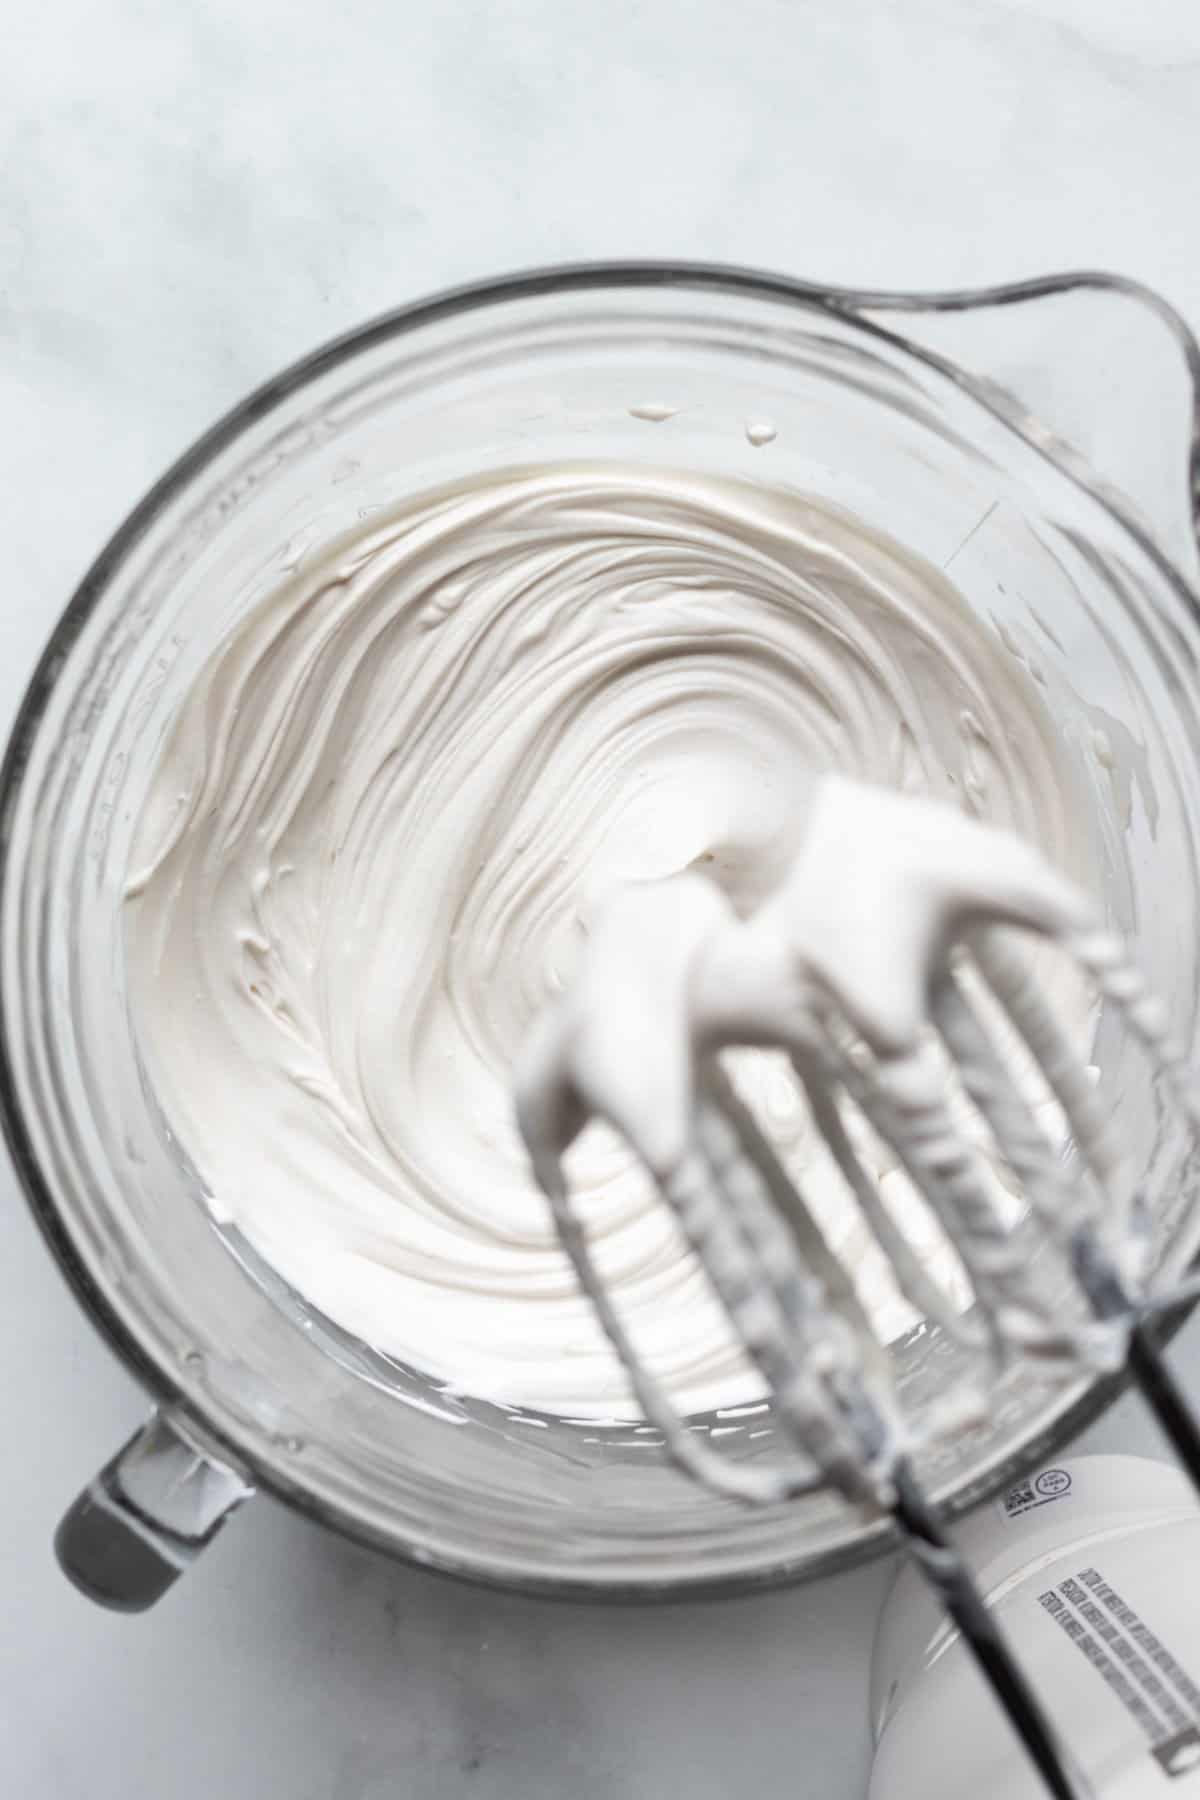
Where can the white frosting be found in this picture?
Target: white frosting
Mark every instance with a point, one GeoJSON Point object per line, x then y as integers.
{"type": "Point", "coordinates": [860, 925]}
{"type": "Point", "coordinates": [388, 809]}
{"type": "Point", "coordinates": [848, 966]}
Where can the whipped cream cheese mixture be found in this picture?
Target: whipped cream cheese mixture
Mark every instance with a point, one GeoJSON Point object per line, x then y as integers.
{"type": "Point", "coordinates": [390, 805]}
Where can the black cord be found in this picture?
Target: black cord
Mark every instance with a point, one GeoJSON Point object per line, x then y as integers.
{"type": "Point", "coordinates": [1148, 1365]}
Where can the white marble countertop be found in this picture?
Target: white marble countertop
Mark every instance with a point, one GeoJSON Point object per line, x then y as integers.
{"type": "Point", "coordinates": [193, 195]}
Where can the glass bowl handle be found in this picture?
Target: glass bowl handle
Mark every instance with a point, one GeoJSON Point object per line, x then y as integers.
{"type": "Point", "coordinates": [147, 1515]}
{"type": "Point", "coordinates": [1101, 374]}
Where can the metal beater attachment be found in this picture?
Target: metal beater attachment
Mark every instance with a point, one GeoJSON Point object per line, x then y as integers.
{"type": "Point", "coordinates": [669, 976]}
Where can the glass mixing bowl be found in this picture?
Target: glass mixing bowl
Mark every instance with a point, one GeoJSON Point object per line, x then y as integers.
{"type": "Point", "coordinates": [1090, 582]}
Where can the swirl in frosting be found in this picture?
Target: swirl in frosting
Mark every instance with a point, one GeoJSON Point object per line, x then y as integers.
{"type": "Point", "coordinates": [386, 809]}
